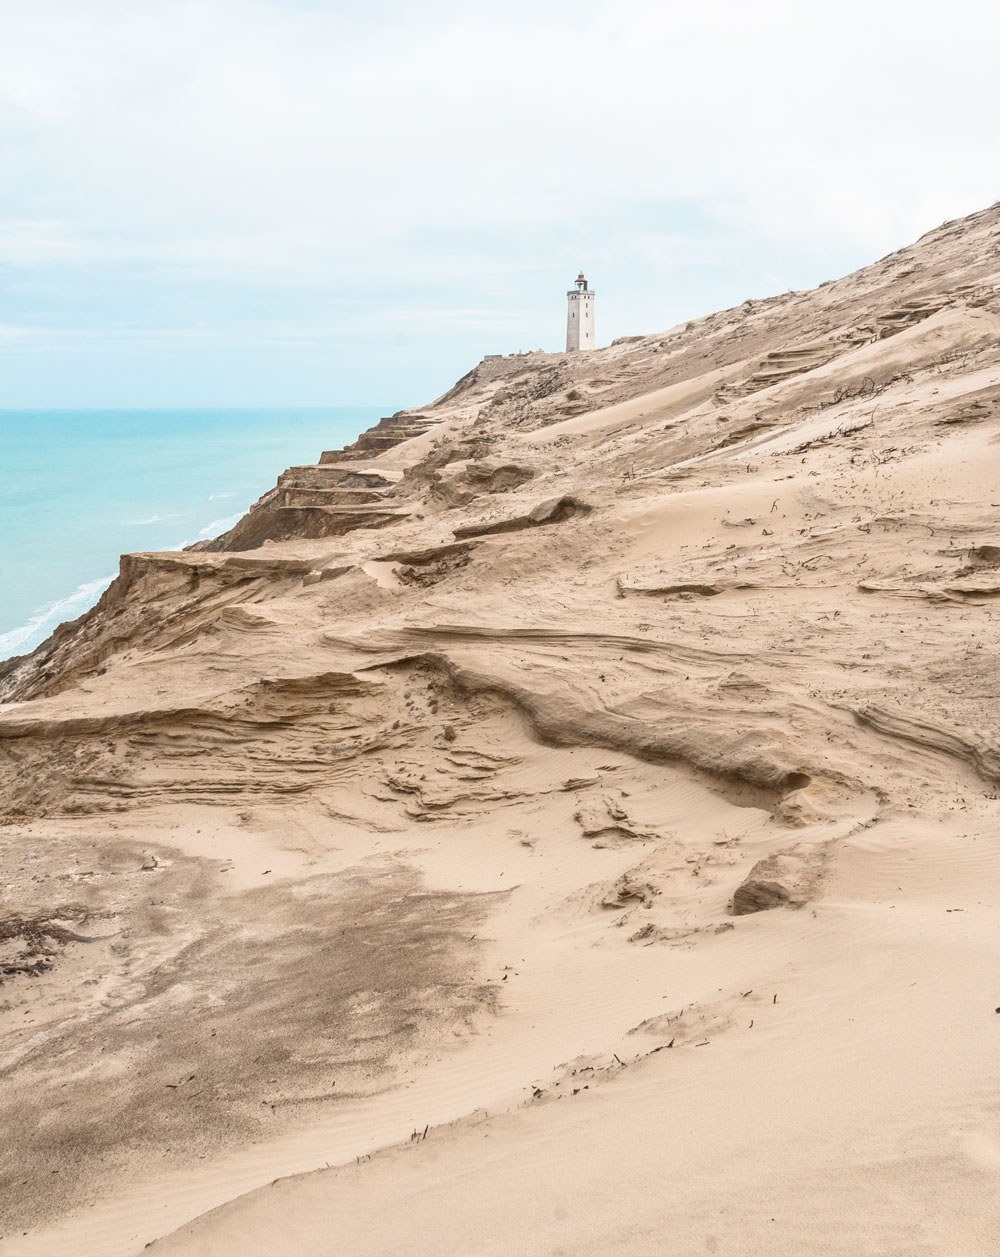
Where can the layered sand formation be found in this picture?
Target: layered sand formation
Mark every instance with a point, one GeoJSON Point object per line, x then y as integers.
{"type": "Point", "coordinates": [563, 822]}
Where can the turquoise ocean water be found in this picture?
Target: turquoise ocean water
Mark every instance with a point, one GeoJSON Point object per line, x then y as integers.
{"type": "Point", "coordinates": [79, 488]}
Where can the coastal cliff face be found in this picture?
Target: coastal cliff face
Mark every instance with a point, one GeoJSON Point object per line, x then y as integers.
{"type": "Point", "coordinates": [482, 745]}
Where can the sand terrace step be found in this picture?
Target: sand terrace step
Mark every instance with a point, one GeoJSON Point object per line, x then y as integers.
{"type": "Point", "coordinates": [332, 521]}
{"type": "Point", "coordinates": [301, 495]}
{"type": "Point", "coordinates": [334, 475]}
{"type": "Point", "coordinates": [274, 522]}
{"type": "Point", "coordinates": [385, 435]}
{"type": "Point", "coordinates": [389, 440]}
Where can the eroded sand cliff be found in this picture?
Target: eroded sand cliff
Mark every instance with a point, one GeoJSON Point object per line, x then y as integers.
{"type": "Point", "coordinates": [636, 700]}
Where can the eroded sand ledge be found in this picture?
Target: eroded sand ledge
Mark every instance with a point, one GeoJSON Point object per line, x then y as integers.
{"type": "Point", "coordinates": [605, 785]}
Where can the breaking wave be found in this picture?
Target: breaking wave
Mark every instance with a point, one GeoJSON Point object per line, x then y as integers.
{"type": "Point", "coordinates": [220, 525]}
{"type": "Point", "coordinates": [24, 639]}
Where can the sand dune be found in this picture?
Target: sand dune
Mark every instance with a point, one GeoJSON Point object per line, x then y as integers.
{"type": "Point", "coordinates": [564, 822]}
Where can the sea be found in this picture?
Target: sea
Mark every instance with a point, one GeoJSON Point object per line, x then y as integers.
{"type": "Point", "coordinates": [78, 488]}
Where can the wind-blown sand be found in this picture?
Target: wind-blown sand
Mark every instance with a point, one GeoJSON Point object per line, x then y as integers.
{"type": "Point", "coordinates": [564, 823]}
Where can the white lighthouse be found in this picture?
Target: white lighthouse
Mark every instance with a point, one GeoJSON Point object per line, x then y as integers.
{"type": "Point", "coordinates": [580, 317]}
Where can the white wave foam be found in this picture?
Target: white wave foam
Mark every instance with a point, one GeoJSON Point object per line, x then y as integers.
{"type": "Point", "coordinates": [220, 525]}
{"type": "Point", "coordinates": [28, 636]}
{"type": "Point", "coordinates": [24, 639]}
{"type": "Point", "coordinates": [154, 519]}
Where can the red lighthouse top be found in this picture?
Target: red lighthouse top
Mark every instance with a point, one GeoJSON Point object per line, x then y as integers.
{"type": "Point", "coordinates": [581, 283]}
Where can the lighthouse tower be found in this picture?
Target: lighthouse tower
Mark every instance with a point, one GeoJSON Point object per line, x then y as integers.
{"type": "Point", "coordinates": [580, 317]}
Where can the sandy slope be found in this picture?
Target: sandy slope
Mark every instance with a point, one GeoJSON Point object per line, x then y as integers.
{"type": "Point", "coordinates": [448, 793]}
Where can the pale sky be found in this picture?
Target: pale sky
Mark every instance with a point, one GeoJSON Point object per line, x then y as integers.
{"type": "Point", "coordinates": [316, 202]}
